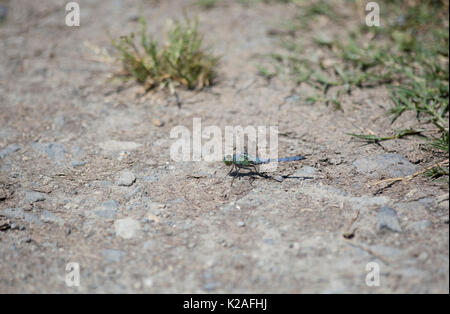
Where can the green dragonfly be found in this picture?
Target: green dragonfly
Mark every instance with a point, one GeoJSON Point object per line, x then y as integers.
{"type": "Point", "coordinates": [244, 161]}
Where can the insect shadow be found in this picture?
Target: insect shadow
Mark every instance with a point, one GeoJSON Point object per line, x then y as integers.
{"type": "Point", "coordinates": [252, 173]}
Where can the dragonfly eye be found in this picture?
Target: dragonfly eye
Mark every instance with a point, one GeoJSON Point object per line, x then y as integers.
{"type": "Point", "coordinates": [228, 160]}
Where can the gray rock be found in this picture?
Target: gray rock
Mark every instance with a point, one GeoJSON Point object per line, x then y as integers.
{"type": "Point", "coordinates": [150, 178]}
{"type": "Point", "coordinates": [268, 241]}
{"type": "Point", "coordinates": [3, 12]}
{"type": "Point", "coordinates": [126, 178]}
{"type": "Point", "coordinates": [33, 197]}
{"type": "Point", "coordinates": [8, 150]}
{"type": "Point", "coordinates": [54, 151]}
{"type": "Point", "coordinates": [410, 272]}
{"type": "Point", "coordinates": [305, 171]}
{"type": "Point", "coordinates": [113, 256]}
{"type": "Point", "coordinates": [210, 286]}
{"type": "Point", "coordinates": [127, 228]}
{"type": "Point", "coordinates": [77, 163]}
{"type": "Point", "coordinates": [76, 150]}
{"type": "Point", "coordinates": [149, 244]}
{"type": "Point", "coordinates": [103, 183]}
{"type": "Point", "coordinates": [427, 202]}
{"type": "Point", "coordinates": [278, 178]}
{"type": "Point", "coordinates": [178, 200]}
{"type": "Point", "coordinates": [19, 213]}
{"type": "Point", "coordinates": [47, 216]}
{"type": "Point", "coordinates": [116, 146]}
{"type": "Point", "coordinates": [228, 207]}
{"type": "Point", "coordinates": [108, 209]}
{"type": "Point", "coordinates": [392, 165]}
{"type": "Point", "coordinates": [107, 214]}
{"type": "Point", "coordinates": [420, 225]}
{"type": "Point", "coordinates": [386, 251]}
{"type": "Point", "coordinates": [442, 198]}
{"type": "Point", "coordinates": [154, 207]}
{"type": "Point", "coordinates": [423, 256]}
{"type": "Point", "coordinates": [58, 122]}
{"type": "Point", "coordinates": [364, 202]}
{"type": "Point", "coordinates": [110, 204]}
{"type": "Point", "coordinates": [292, 98]}
{"type": "Point", "coordinates": [387, 219]}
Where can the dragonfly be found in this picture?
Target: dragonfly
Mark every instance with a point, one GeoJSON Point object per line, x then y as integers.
{"type": "Point", "coordinates": [244, 161]}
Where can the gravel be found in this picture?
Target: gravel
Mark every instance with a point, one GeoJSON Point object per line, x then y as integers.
{"type": "Point", "coordinates": [112, 256]}
{"type": "Point", "coordinates": [47, 216]}
{"type": "Point", "coordinates": [387, 219]}
{"type": "Point", "coordinates": [127, 228]}
{"type": "Point", "coordinates": [34, 197]}
{"type": "Point", "coordinates": [19, 213]}
{"type": "Point", "coordinates": [420, 225]}
{"type": "Point", "coordinates": [55, 151]}
{"type": "Point", "coordinates": [392, 165]}
{"type": "Point", "coordinates": [126, 178]}
{"type": "Point", "coordinates": [8, 150]}
{"type": "Point", "coordinates": [117, 146]}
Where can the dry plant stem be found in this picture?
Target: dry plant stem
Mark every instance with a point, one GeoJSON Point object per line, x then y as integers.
{"type": "Point", "coordinates": [410, 177]}
{"type": "Point", "coordinates": [368, 250]}
{"type": "Point", "coordinates": [350, 229]}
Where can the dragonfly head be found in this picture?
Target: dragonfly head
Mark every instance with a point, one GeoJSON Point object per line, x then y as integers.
{"type": "Point", "coordinates": [228, 160]}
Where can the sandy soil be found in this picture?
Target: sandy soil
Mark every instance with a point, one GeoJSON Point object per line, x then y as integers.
{"type": "Point", "coordinates": [180, 226]}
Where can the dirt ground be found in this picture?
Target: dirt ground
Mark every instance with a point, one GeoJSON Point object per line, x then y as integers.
{"type": "Point", "coordinates": [69, 137]}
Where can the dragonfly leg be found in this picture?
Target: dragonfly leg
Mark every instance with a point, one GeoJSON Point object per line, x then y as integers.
{"type": "Point", "coordinates": [235, 175]}
{"type": "Point", "coordinates": [231, 170]}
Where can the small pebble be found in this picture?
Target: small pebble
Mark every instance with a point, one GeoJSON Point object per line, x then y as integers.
{"type": "Point", "coordinates": [77, 163]}
{"type": "Point", "coordinates": [3, 12]}
{"type": "Point", "coordinates": [110, 205]}
{"type": "Point", "coordinates": [33, 197]}
{"type": "Point", "coordinates": [387, 219]}
{"type": "Point", "coordinates": [150, 178]}
{"type": "Point", "coordinates": [126, 178]}
{"type": "Point", "coordinates": [112, 256]}
{"type": "Point", "coordinates": [8, 149]}
{"type": "Point", "coordinates": [420, 225]}
{"type": "Point", "coordinates": [127, 228]}
{"type": "Point", "coordinates": [423, 256]}
{"type": "Point", "coordinates": [278, 178]}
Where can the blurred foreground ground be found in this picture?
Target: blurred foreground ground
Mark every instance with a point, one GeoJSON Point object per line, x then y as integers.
{"type": "Point", "coordinates": [180, 227]}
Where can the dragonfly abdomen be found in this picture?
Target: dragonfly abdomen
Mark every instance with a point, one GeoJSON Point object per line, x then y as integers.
{"type": "Point", "coordinates": [285, 159]}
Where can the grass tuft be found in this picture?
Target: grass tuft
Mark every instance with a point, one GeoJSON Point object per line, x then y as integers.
{"type": "Point", "coordinates": [408, 55]}
{"type": "Point", "coordinates": [207, 4]}
{"type": "Point", "coordinates": [181, 62]}
{"type": "Point", "coordinates": [370, 138]}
